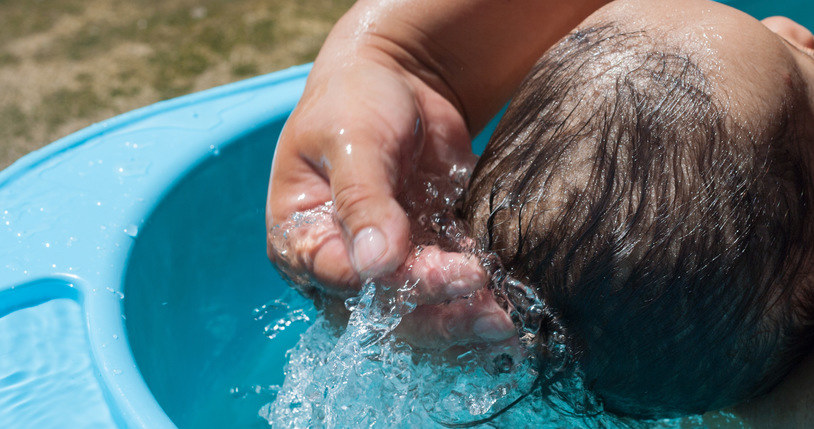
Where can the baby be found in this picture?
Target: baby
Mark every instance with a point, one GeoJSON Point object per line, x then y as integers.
{"type": "Point", "coordinates": [652, 181]}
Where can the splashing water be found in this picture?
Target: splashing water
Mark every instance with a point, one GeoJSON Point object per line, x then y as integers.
{"type": "Point", "coordinates": [369, 378]}
{"type": "Point", "coordinates": [289, 317]}
{"type": "Point", "coordinates": [365, 376]}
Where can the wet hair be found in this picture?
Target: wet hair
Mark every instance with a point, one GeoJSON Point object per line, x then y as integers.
{"type": "Point", "coordinates": [671, 241]}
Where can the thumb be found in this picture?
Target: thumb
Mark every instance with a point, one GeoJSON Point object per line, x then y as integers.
{"type": "Point", "coordinates": [363, 182]}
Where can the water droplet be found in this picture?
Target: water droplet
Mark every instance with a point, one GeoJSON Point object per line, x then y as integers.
{"type": "Point", "coordinates": [115, 292]}
{"type": "Point", "coordinates": [351, 303]}
{"type": "Point", "coordinates": [237, 393]}
{"type": "Point", "coordinates": [134, 169]}
{"type": "Point", "coordinates": [131, 230]}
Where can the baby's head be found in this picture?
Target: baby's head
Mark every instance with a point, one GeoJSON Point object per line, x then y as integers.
{"type": "Point", "coordinates": [653, 181]}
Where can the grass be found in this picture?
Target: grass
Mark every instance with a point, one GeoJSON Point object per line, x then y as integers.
{"type": "Point", "coordinates": [65, 64]}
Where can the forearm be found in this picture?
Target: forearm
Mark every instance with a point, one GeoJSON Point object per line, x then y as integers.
{"type": "Point", "coordinates": [472, 52]}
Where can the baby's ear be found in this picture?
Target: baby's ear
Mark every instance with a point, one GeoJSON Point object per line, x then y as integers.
{"type": "Point", "coordinates": [790, 30]}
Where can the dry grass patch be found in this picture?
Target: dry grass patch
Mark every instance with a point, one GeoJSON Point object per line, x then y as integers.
{"type": "Point", "coordinates": [65, 64]}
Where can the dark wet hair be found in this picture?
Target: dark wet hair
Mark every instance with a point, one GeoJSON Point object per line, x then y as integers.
{"type": "Point", "coordinates": [671, 240]}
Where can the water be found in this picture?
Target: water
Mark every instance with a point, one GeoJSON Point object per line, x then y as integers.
{"type": "Point", "coordinates": [367, 377]}
{"type": "Point", "coordinates": [364, 375]}
{"type": "Point", "coordinates": [131, 230]}
{"type": "Point", "coordinates": [48, 380]}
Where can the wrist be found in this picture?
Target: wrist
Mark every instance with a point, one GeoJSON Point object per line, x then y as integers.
{"type": "Point", "coordinates": [372, 34]}
{"type": "Point", "coordinates": [473, 53]}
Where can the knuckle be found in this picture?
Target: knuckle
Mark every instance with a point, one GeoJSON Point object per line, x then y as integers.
{"type": "Point", "coordinates": [445, 327]}
{"type": "Point", "coordinates": [351, 199]}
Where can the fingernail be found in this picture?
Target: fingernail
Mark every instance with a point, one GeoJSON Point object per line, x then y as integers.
{"type": "Point", "coordinates": [493, 327]}
{"type": "Point", "coordinates": [368, 248]}
{"type": "Point", "coordinates": [466, 284]}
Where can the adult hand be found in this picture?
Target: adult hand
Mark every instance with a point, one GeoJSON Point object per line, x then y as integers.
{"type": "Point", "coordinates": [392, 97]}
{"type": "Point", "coordinates": [362, 134]}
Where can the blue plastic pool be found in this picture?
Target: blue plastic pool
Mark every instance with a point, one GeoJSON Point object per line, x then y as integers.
{"type": "Point", "coordinates": [133, 252]}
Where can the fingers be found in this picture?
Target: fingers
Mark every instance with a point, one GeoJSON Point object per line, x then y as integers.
{"type": "Point", "coordinates": [442, 276]}
{"type": "Point", "coordinates": [309, 249]}
{"type": "Point", "coordinates": [358, 151]}
{"type": "Point", "coordinates": [366, 231]}
{"type": "Point", "coordinates": [364, 179]}
{"type": "Point", "coordinates": [476, 320]}
{"type": "Point", "coordinates": [364, 153]}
